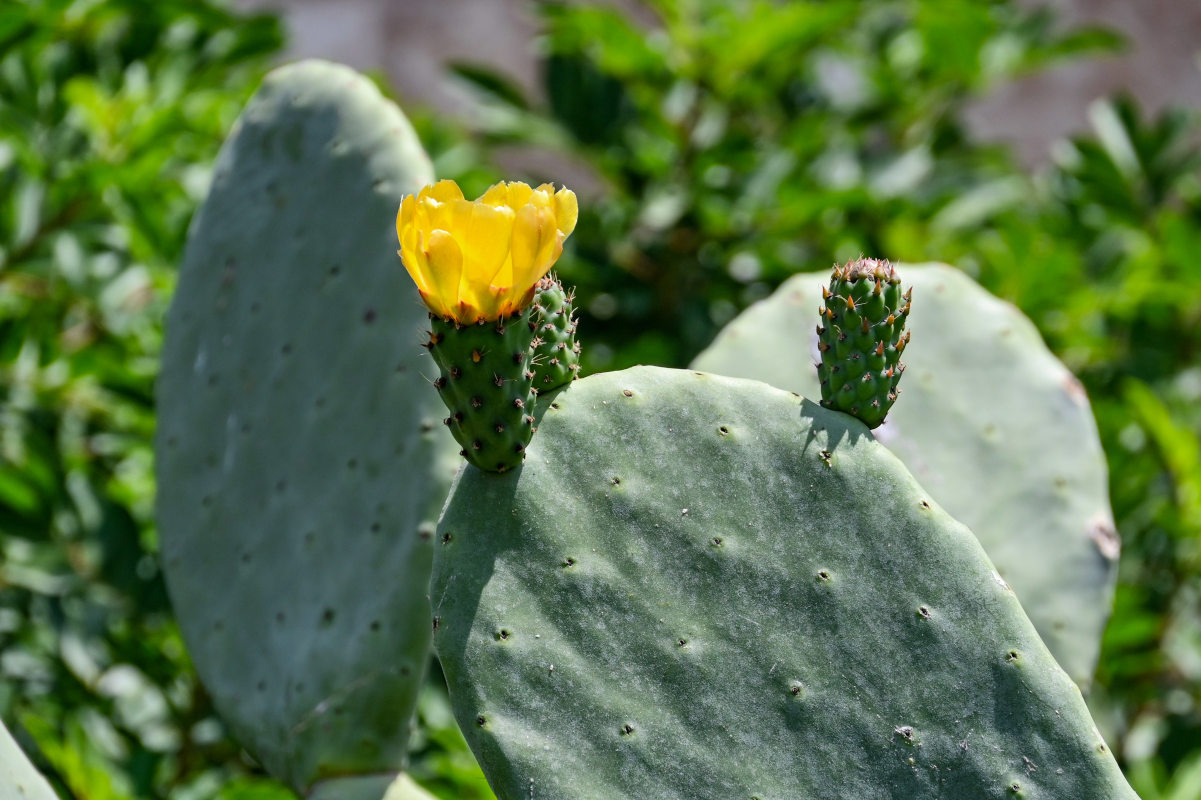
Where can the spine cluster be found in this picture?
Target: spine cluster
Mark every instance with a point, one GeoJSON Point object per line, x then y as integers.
{"type": "Point", "coordinates": [861, 338]}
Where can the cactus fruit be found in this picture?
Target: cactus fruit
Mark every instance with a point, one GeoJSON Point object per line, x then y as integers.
{"type": "Point", "coordinates": [861, 337]}
{"type": "Point", "coordinates": [701, 587]}
{"type": "Point", "coordinates": [19, 780]}
{"type": "Point", "coordinates": [487, 383]}
{"type": "Point", "coordinates": [994, 427]}
{"type": "Point", "coordinates": [556, 351]}
{"type": "Point", "coordinates": [300, 458]}
{"type": "Point", "coordinates": [478, 265]}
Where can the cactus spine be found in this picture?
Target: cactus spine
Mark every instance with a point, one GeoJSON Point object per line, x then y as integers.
{"type": "Point", "coordinates": [487, 383]}
{"type": "Point", "coordinates": [556, 351]}
{"type": "Point", "coordinates": [861, 338]}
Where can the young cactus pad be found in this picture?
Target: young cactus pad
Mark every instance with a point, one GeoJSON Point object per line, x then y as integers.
{"type": "Point", "coordinates": [300, 453]}
{"type": "Point", "coordinates": [556, 351]}
{"type": "Point", "coordinates": [19, 779]}
{"type": "Point", "coordinates": [861, 335]}
{"type": "Point", "coordinates": [704, 588]}
{"type": "Point", "coordinates": [992, 425]}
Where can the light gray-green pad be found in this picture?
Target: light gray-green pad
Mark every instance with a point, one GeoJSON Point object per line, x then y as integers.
{"type": "Point", "coordinates": [18, 778]}
{"type": "Point", "coordinates": [706, 588]}
{"type": "Point", "coordinates": [990, 423]}
{"type": "Point", "coordinates": [301, 459]}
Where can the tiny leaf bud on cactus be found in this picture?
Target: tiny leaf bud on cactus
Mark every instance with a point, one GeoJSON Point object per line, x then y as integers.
{"type": "Point", "coordinates": [477, 265]}
{"type": "Point", "coordinates": [861, 337]}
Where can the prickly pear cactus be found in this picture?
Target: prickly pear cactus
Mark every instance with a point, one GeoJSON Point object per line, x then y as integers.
{"type": "Point", "coordinates": [300, 453]}
{"type": "Point", "coordinates": [556, 351]}
{"type": "Point", "coordinates": [19, 780]}
{"type": "Point", "coordinates": [487, 387]}
{"type": "Point", "coordinates": [991, 424]}
{"type": "Point", "coordinates": [861, 336]}
{"type": "Point", "coordinates": [700, 587]}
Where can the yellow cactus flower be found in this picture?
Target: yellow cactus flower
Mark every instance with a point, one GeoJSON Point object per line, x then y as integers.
{"type": "Point", "coordinates": [481, 259]}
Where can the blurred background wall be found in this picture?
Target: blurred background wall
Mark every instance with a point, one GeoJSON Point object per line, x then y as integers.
{"type": "Point", "coordinates": [410, 40]}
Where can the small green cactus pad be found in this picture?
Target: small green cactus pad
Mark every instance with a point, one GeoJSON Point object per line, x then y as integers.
{"type": "Point", "coordinates": [19, 780]}
{"type": "Point", "coordinates": [300, 453]}
{"type": "Point", "coordinates": [861, 335]}
{"type": "Point", "coordinates": [704, 588]}
{"type": "Point", "coordinates": [556, 351]}
{"type": "Point", "coordinates": [991, 423]}
{"type": "Point", "coordinates": [486, 383]}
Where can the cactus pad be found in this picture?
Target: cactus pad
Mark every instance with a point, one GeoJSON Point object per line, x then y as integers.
{"type": "Point", "coordinates": [991, 424]}
{"type": "Point", "coordinates": [861, 337]}
{"type": "Point", "coordinates": [300, 454]}
{"type": "Point", "coordinates": [700, 587]}
{"type": "Point", "coordinates": [19, 780]}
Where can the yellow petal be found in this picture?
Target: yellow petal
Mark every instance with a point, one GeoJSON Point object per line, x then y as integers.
{"type": "Point", "coordinates": [542, 196]}
{"type": "Point", "coordinates": [489, 233]}
{"type": "Point", "coordinates": [519, 194]}
{"type": "Point", "coordinates": [458, 220]}
{"type": "Point", "coordinates": [414, 266]}
{"type": "Point", "coordinates": [567, 211]}
{"type": "Point", "coordinates": [443, 191]}
{"type": "Point", "coordinates": [404, 215]}
{"type": "Point", "coordinates": [485, 245]}
{"type": "Point", "coordinates": [445, 266]}
{"type": "Point", "coordinates": [489, 302]}
{"type": "Point", "coordinates": [524, 246]}
{"type": "Point", "coordinates": [433, 215]}
{"type": "Point", "coordinates": [497, 195]}
{"type": "Point", "coordinates": [406, 233]}
{"type": "Point", "coordinates": [546, 245]}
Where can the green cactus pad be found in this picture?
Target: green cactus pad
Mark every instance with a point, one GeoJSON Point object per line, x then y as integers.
{"type": "Point", "coordinates": [487, 385]}
{"type": "Point", "coordinates": [991, 424]}
{"type": "Point", "coordinates": [300, 454]}
{"type": "Point", "coordinates": [19, 780]}
{"type": "Point", "coordinates": [705, 588]}
{"type": "Point", "coordinates": [556, 351]}
{"type": "Point", "coordinates": [860, 339]}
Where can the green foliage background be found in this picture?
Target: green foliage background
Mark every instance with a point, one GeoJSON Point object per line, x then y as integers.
{"type": "Point", "coordinates": [732, 144]}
